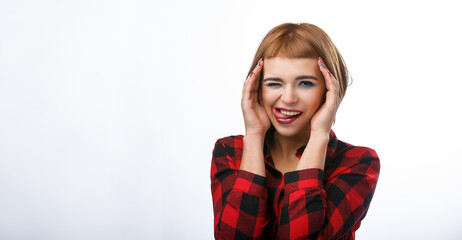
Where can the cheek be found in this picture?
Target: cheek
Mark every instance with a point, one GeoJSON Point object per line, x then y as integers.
{"type": "Point", "coordinates": [320, 97]}
{"type": "Point", "coordinates": [269, 96]}
{"type": "Point", "coordinates": [314, 100]}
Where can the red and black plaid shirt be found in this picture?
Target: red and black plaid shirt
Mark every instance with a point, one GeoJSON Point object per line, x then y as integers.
{"type": "Point", "coordinates": [304, 204]}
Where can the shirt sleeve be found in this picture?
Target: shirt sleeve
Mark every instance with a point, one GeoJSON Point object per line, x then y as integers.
{"type": "Point", "coordinates": [313, 209]}
{"type": "Point", "coordinates": [239, 197]}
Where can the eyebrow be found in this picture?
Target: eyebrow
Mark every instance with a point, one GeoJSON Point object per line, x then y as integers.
{"type": "Point", "coordinates": [302, 77]}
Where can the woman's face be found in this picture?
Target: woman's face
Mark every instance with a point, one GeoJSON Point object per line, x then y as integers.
{"type": "Point", "coordinates": [292, 91]}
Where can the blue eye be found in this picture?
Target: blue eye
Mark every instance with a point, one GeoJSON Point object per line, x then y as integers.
{"type": "Point", "coordinates": [306, 84]}
{"type": "Point", "coordinates": [273, 84]}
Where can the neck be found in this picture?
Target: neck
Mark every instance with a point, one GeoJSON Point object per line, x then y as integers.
{"type": "Point", "coordinates": [287, 146]}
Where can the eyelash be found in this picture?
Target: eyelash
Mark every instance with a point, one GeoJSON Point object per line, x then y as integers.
{"type": "Point", "coordinates": [272, 84]}
{"type": "Point", "coordinates": [303, 84]}
{"type": "Point", "coordinates": [309, 84]}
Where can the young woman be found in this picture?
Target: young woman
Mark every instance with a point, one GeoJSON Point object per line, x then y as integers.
{"type": "Point", "coordinates": [289, 177]}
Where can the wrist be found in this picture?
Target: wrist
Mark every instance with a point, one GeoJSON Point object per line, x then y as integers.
{"type": "Point", "coordinates": [320, 135]}
{"type": "Point", "coordinates": [314, 154]}
{"type": "Point", "coordinates": [252, 154]}
{"type": "Point", "coordinates": [318, 141]}
{"type": "Point", "coordinates": [250, 138]}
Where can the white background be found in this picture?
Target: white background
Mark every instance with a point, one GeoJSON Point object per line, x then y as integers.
{"type": "Point", "coordinates": [109, 111]}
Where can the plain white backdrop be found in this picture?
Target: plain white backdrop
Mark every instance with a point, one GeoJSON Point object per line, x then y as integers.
{"type": "Point", "coordinates": [109, 111]}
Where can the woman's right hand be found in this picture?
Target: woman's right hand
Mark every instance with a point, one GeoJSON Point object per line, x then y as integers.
{"type": "Point", "coordinates": [255, 118]}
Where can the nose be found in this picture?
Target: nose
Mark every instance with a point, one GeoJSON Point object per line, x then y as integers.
{"type": "Point", "coordinates": [289, 95]}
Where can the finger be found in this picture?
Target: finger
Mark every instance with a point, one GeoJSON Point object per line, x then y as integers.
{"type": "Point", "coordinates": [246, 94]}
{"type": "Point", "coordinates": [246, 91]}
{"type": "Point", "coordinates": [255, 75]}
{"type": "Point", "coordinates": [252, 74]}
{"type": "Point", "coordinates": [327, 75]}
{"type": "Point", "coordinates": [252, 84]}
{"type": "Point", "coordinates": [249, 92]}
{"type": "Point", "coordinates": [260, 97]}
{"type": "Point", "coordinates": [257, 84]}
{"type": "Point", "coordinates": [332, 85]}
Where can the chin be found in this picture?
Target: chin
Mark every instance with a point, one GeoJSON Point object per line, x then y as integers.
{"type": "Point", "coordinates": [292, 131]}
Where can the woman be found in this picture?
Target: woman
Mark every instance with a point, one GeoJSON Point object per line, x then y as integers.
{"type": "Point", "coordinates": [289, 177]}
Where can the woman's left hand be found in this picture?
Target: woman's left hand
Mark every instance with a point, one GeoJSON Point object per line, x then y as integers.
{"type": "Point", "coordinates": [322, 120]}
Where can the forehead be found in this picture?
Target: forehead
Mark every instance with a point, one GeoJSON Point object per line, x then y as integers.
{"type": "Point", "coordinates": [281, 66]}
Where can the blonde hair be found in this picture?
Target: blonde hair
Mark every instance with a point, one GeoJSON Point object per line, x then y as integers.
{"type": "Point", "coordinates": [303, 40]}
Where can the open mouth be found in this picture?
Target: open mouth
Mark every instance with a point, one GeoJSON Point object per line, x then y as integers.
{"type": "Point", "coordinates": [288, 113]}
{"type": "Point", "coordinates": [286, 116]}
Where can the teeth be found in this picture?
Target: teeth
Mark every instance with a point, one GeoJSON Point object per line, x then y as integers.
{"type": "Point", "coordinates": [289, 113]}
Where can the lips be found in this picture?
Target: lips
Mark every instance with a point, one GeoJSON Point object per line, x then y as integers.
{"type": "Point", "coordinates": [286, 116]}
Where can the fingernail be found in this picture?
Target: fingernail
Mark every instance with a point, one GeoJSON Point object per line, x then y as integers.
{"type": "Point", "coordinates": [258, 63]}
{"type": "Point", "coordinates": [322, 63]}
{"type": "Point", "coordinates": [251, 75]}
{"type": "Point", "coordinates": [329, 74]}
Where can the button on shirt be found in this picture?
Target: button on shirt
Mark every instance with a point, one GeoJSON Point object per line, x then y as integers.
{"type": "Point", "coordinates": [302, 204]}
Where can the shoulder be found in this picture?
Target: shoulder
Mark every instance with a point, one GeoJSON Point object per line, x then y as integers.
{"type": "Point", "coordinates": [350, 150]}
{"type": "Point", "coordinates": [348, 155]}
{"type": "Point", "coordinates": [229, 145]}
{"type": "Point", "coordinates": [230, 141]}
{"type": "Point", "coordinates": [347, 150]}
{"type": "Point", "coordinates": [227, 152]}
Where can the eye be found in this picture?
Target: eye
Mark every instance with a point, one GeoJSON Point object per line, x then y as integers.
{"type": "Point", "coordinates": [273, 84]}
{"type": "Point", "coordinates": [306, 84]}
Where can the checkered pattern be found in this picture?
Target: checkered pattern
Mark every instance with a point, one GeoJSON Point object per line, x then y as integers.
{"type": "Point", "coordinates": [305, 204]}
